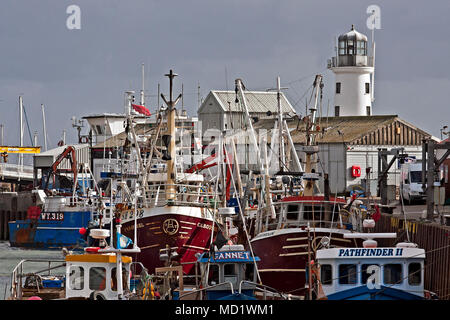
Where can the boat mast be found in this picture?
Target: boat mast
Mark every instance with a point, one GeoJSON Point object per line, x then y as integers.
{"type": "Point", "coordinates": [171, 173]}
{"type": "Point", "coordinates": [311, 130]}
{"type": "Point", "coordinates": [282, 158]}
{"type": "Point", "coordinates": [143, 84]}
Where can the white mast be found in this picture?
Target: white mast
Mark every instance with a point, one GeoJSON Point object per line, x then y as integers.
{"type": "Point", "coordinates": [282, 157]}
{"type": "Point", "coordinates": [373, 57]}
{"type": "Point", "coordinates": [21, 128]}
{"type": "Point", "coordinates": [143, 86]}
{"type": "Point", "coordinates": [2, 133]}
{"type": "Point", "coordinates": [44, 128]}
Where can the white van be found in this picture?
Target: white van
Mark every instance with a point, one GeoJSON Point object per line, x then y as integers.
{"type": "Point", "coordinates": [411, 181]}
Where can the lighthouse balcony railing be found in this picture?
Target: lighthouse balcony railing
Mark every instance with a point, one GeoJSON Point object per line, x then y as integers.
{"type": "Point", "coordinates": [351, 61]}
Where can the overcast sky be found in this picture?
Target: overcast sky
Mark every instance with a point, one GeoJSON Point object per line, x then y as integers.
{"type": "Point", "coordinates": [80, 72]}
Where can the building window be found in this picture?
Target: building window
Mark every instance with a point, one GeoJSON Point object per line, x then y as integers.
{"type": "Point", "coordinates": [368, 110]}
{"type": "Point", "coordinates": [393, 273]}
{"type": "Point", "coordinates": [336, 111]}
{"type": "Point", "coordinates": [326, 274]}
{"type": "Point", "coordinates": [338, 87]}
{"type": "Point", "coordinates": [414, 274]}
{"type": "Point", "coordinates": [367, 87]}
{"type": "Point", "coordinates": [347, 274]}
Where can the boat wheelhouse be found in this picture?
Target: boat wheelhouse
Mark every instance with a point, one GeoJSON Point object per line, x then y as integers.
{"type": "Point", "coordinates": [391, 273]}
{"type": "Point", "coordinates": [228, 274]}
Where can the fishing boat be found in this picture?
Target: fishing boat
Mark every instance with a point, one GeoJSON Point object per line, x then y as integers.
{"type": "Point", "coordinates": [59, 213]}
{"type": "Point", "coordinates": [98, 273]}
{"type": "Point", "coordinates": [176, 207]}
{"type": "Point", "coordinates": [370, 272]}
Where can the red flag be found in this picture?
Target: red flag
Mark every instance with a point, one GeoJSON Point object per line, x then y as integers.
{"type": "Point", "coordinates": [377, 215]}
{"type": "Point", "coordinates": [141, 109]}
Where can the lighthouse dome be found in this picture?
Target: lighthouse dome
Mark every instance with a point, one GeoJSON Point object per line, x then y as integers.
{"type": "Point", "coordinates": [353, 35]}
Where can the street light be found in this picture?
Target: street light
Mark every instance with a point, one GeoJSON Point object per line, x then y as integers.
{"type": "Point", "coordinates": [444, 132]}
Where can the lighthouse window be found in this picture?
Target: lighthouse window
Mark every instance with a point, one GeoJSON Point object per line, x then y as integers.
{"type": "Point", "coordinates": [341, 47]}
{"type": "Point", "coordinates": [361, 47]}
{"type": "Point", "coordinates": [97, 278]}
{"type": "Point", "coordinates": [414, 274]}
{"type": "Point", "coordinates": [326, 274]}
{"type": "Point", "coordinates": [393, 273]}
{"type": "Point", "coordinates": [367, 87]}
{"type": "Point", "coordinates": [338, 87]}
{"type": "Point", "coordinates": [368, 110]}
{"type": "Point", "coordinates": [347, 274]}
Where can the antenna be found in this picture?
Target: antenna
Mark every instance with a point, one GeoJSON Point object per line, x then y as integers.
{"type": "Point", "coordinates": [182, 96]}
{"type": "Point", "coordinates": [198, 94]}
{"type": "Point", "coordinates": [2, 126]}
{"type": "Point", "coordinates": [21, 127]}
{"type": "Point", "coordinates": [143, 86]}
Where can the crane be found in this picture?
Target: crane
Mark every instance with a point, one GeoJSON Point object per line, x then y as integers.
{"type": "Point", "coordinates": [5, 150]}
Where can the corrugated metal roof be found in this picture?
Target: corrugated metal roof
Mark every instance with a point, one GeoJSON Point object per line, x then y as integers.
{"type": "Point", "coordinates": [47, 158]}
{"type": "Point", "coordinates": [257, 102]}
{"type": "Point", "coordinates": [340, 129]}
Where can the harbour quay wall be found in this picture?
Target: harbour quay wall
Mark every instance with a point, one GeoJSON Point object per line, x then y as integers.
{"type": "Point", "coordinates": [433, 238]}
{"type": "Point", "coordinates": [13, 206]}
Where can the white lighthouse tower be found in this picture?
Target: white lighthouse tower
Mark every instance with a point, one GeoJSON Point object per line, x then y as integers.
{"type": "Point", "coordinates": [353, 69]}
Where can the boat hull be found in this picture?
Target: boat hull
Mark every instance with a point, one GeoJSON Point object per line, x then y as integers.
{"type": "Point", "coordinates": [187, 228]}
{"type": "Point", "coordinates": [364, 293]}
{"type": "Point", "coordinates": [284, 255]}
{"type": "Point", "coordinates": [52, 230]}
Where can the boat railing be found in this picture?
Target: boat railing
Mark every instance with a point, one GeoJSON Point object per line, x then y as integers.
{"type": "Point", "coordinates": [201, 290]}
{"type": "Point", "coordinates": [304, 223]}
{"type": "Point", "coordinates": [184, 195]}
{"type": "Point", "coordinates": [18, 274]}
{"type": "Point", "coordinates": [262, 287]}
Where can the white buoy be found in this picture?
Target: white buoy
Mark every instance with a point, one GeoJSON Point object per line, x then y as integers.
{"type": "Point", "coordinates": [99, 233]}
{"type": "Point", "coordinates": [369, 223]}
{"type": "Point", "coordinates": [370, 243]}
